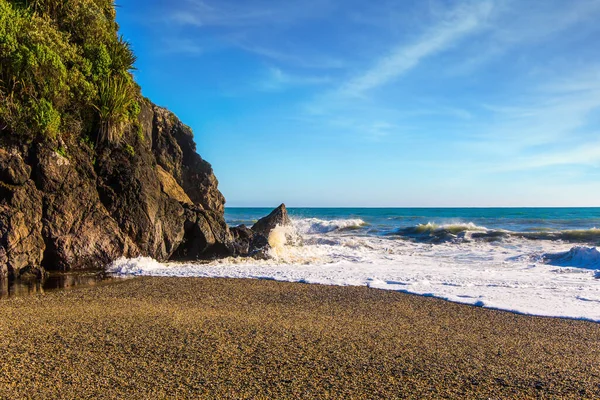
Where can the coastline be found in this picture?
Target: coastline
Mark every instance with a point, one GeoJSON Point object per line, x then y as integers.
{"type": "Point", "coordinates": [240, 338]}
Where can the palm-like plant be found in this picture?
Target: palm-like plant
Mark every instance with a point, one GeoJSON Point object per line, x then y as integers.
{"type": "Point", "coordinates": [121, 54]}
{"type": "Point", "coordinates": [114, 98]}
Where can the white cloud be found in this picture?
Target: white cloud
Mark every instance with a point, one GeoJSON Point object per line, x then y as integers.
{"type": "Point", "coordinates": [462, 21]}
{"type": "Point", "coordinates": [518, 24]}
{"type": "Point", "coordinates": [587, 154]}
{"type": "Point", "coordinates": [227, 13]}
{"type": "Point", "coordinates": [278, 80]}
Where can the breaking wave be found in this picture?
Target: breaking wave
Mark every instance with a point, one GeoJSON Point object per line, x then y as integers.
{"type": "Point", "coordinates": [590, 236]}
{"type": "Point", "coordinates": [577, 257]}
{"type": "Point", "coordinates": [431, 227]}
{"type": "Point", "coordinates": [316, 225]}
{"type": "Point", "coordinates": [465, 232]}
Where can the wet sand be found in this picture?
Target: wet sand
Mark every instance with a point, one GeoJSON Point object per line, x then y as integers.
{"type": "Point", "coordinates": [224, 338]}
{"type": "Point", "coordinates": [54, 281]}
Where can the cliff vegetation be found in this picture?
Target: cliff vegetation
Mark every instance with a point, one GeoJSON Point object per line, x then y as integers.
{"type": "Point", "coordinates": [65, 70]}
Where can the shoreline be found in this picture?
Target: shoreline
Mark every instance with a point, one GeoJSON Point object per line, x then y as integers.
{"type": "Point", "coordinates": [60, 281]}
{"type": "Point", "coordinates": [240, 338]}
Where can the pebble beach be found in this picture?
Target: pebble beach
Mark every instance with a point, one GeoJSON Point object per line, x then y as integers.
{"type": "Point", "coordinates": [242, 338]}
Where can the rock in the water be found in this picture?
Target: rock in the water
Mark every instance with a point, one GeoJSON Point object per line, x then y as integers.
{"type": "Point", "coordinates": [248, 243]}
{"type": "Point", "coordinates": [242, 237]}
{"type": "Point", "coordinates": [259, 247]}
{"type": "Point", "coordinates": [278, 216]}
{"type": "Point", "coordinates": [255, 242]}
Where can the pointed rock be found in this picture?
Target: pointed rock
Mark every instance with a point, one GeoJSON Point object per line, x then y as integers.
{"type": "Point", "coordinates": [278, 216]}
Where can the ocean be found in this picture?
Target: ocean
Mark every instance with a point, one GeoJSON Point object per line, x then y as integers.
{"type": "Point", "coordinates": [538, 261]}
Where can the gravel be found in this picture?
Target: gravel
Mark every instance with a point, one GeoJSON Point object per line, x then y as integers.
{"type": "Point", "coordinates": [226, 338]}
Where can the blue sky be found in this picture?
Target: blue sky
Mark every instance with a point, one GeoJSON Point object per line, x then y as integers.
{"type": "Point", "coordinates": [383, 103]}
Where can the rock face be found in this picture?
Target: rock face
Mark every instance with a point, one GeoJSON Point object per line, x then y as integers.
{"type": "Point", "coordinates": [21, 240]}
{"type": "Point", "coordinates": [278, 216]}
{"type": "Point", "coordinates": [254, 242]}
{"type": "Point", "coordinates": [64, 206]}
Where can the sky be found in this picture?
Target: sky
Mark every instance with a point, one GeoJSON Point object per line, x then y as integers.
{"type": "Point", "coordinates": [406, 103]}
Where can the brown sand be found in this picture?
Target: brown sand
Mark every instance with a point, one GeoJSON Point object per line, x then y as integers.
{"type": "Point", "coordinates": [221, 338]}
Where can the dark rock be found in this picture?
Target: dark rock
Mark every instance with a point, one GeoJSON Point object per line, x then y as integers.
{"type": "Point", "coordinates": [131, 192]}
{"type": "Point", "coordinates": [242, 237]}
{"type": "Point", "coordinates": [83, 208]}
{"type": "Point", "coordinates": [278, 216]}
{"type": "Point", "coordinates": [21, 241]}
{"type": "Point", "coordinates": [13, 169]}
{"type": "Point", "coordinates": [175, 151]}
{"type": "Point", "coordinates": [247, 243]}
{"type": "Point", "coordinates": [259, 247]}
{"type": "Point", "coordinates": [206, 236]}
{"type": "Point", "coordinates": [254, 242]}
{"type": "Point", "coordinates": [78, 231]}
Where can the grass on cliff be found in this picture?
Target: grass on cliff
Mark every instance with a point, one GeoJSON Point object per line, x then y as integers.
{"type": "Point", "coordinates": [65, 70]}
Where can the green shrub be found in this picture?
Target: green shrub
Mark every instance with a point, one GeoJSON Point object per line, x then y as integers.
{"type": "Point", "coordinates": [45, 118]}
{"type": "Point", "coordinates": [63, 68]}
{"type": "Point", "coordinates": [121, 55]}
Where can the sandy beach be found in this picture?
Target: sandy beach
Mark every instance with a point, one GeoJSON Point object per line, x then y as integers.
{"type": "Point", "coordinates": [224, 338]}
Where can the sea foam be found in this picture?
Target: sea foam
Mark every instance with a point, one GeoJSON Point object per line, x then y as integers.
{"type": "Point", "coordinates": [576, 257]}
{"type": "Point", "coordinates": [458, 261]}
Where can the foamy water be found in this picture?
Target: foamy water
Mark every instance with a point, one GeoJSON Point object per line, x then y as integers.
{"type": "Point", "coordinates": [509, 271]}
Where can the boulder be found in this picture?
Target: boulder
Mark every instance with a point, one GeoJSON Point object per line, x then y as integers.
{"type": "Point", "coordinates": [259, 247]}
{"type": "Point", "coordinates": [206, 236]}
{"type": "Point", "coordinates": [241, 237]}
{"type": "Point", "coordinates": [248, 243]}
{"type": "Point", "coordinates": [278, 216]}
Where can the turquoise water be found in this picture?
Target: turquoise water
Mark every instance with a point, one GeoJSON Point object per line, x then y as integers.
{"type": "Point", "coordinates": [403, 221]}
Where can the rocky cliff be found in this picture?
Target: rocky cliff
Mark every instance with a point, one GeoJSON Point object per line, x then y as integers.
{"type": "Point", "coordinates": [66, 205]}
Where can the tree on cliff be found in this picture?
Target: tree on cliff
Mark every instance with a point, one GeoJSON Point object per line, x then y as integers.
{"type": "Point", "coordinates": [64, 70]}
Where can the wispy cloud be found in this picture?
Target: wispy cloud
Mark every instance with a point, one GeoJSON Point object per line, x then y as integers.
{"type": "Point", "coordinates": [551, 126]}
{"type": "Point", "coordinates": [464, 20]}
{"type": "Point", "coordinates": [181, 46]}
{"type": "Point", "coordinates": [227, 13]}
{"type": "Point", "coordinates": [278, 80]}
{"type": "Point", "coordinates": [290, 57]}
{"type": "Point", "coordinates": [518, 25]}
{"type": "Point", "coordinates": [587, 154]}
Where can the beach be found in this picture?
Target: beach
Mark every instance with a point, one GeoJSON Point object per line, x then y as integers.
{"type": "Point", "coordinates": [248, 338]}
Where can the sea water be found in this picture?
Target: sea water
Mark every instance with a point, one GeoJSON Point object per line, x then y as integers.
{"type": "Point", "coordinates": [540, 261]}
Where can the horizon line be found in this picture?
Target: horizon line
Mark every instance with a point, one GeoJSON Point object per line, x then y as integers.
{"type": "Point", "coordinates": [414, 207]}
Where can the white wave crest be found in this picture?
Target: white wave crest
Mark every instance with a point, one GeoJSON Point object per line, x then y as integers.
{"type": "Point", "coordinates": [577, 257]}
{"type": "Point", "coordinates": [134, 266]}
{"type": "Point", "coordinates": [280, 238]}
{"type": "Point", "coordinates": [453, 227]}
{"type": "Point", "coordinates": [316, 225]}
